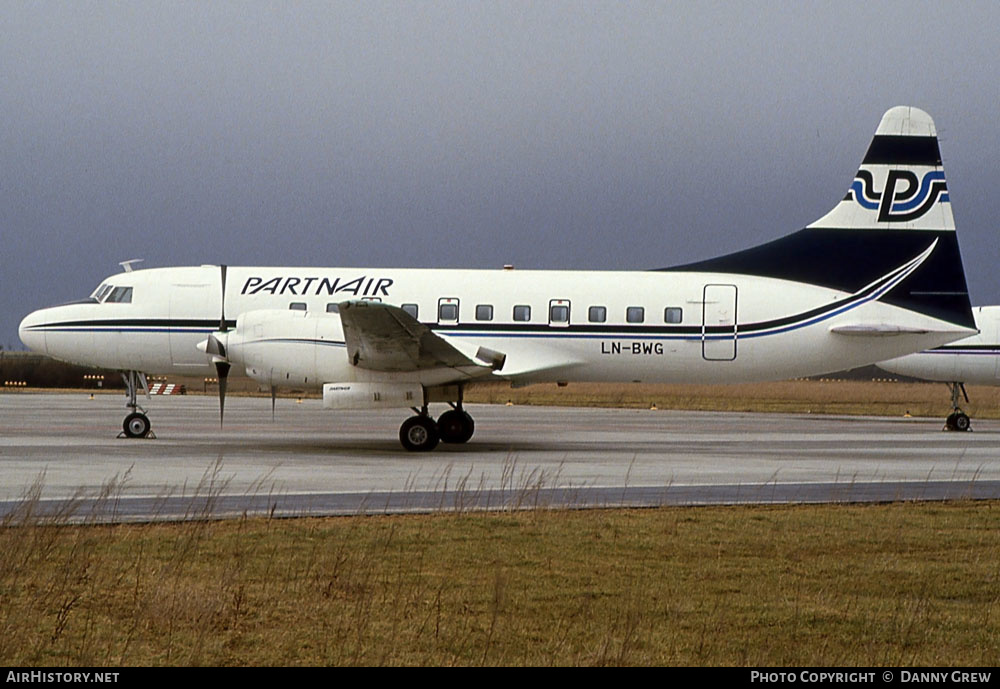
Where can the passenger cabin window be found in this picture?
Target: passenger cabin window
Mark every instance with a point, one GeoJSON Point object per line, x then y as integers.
{"type": "Point", "coordinates": [673, 314]}
{"type": "Point", "coordinates": [448, 311]}
{"type": "Point", "coordinates": [297, 306]}
{"type": "Point", "coordinates": [635, 314]}
{"type": "Point", "coordinates": [333, 307]}
{"type": "Point", "coordinates": [522, 313]}
{"type": "Point", "coordinates": [597, 314]}
{"type": "Point", "coordinates": [410, 309]}
{"type": "Point", "coordinates": [484, 312]}
{"type": "Point", "coordinates": [120, 295]}
{"type": "Point", "coordinates": [559, 312]}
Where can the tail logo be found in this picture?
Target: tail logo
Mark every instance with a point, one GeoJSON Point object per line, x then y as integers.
{"type": "Point", "coordinates": [904, 198]}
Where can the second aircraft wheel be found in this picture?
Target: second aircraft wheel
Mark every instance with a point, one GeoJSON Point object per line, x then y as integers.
{"type": "Point", "coordinates": [419, 434]}
{"type": "Point", "coordinates": [456, 426]}
{"type": "Point", "coordinates": [136, 425]}
{"type": "Point", "coordinates": [958, 421]}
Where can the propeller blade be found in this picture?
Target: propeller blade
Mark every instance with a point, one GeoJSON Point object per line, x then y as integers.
{"type": "Point", "coordinates": [222, 318]}
{"type": "Point", "coordinates": [274, 393]}
{"type": "Point", "coordinates": [215, 347]}
{"type": "Point", "coordinates": [222, 369]}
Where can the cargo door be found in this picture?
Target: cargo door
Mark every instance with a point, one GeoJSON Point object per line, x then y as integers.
{"type": "Point", "coordinates": [718, 323]}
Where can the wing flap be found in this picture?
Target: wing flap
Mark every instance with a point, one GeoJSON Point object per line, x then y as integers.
{"type": "Point", "coordinates": [382, 337]}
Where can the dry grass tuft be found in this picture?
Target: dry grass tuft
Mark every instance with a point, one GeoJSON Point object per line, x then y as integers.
{"type": "Point", "coordinates": [900, 584]}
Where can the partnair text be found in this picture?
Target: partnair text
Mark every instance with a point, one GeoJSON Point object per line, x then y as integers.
{"type": "Point", "coordinates": [362, 286]}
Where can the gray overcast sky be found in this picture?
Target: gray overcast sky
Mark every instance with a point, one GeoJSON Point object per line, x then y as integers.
{"type": "Point", "coordinates": [604, 135]}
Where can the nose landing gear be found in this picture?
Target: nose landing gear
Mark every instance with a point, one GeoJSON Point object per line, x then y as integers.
{"type": "Point", "coordinates": [957, 420]}
{"type": "Point", "coordinates": [136, 424]}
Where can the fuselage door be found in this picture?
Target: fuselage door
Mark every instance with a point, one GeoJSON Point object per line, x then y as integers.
{"type": "Point", "coordinates": [718, 323]}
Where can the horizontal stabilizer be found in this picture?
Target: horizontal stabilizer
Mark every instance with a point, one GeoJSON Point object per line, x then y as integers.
{"type": "Point", "coordinates": [888, 329]}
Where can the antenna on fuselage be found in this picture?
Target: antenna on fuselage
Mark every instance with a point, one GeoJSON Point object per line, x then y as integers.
{"type": "Point", "coordinates": [127, 265]}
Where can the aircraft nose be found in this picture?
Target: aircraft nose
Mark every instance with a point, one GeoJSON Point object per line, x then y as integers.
{"type": "Point", "coordinates": [31, 332]}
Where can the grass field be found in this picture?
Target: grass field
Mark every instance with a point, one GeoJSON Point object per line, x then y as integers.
{"type": "Point", "coordinates": [907, 584]}
{"type": "Point", "coordinates": [899, 584]}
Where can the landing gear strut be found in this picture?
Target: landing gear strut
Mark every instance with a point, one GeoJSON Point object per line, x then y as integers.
{"type": "Point", "coordinates": [136, 424]}
{"type": "Point", "coordinates": [958, 420]}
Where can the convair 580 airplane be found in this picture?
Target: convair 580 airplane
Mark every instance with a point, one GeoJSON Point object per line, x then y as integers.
{"type": "Point", "coordinates": [974, 360]}
{"type": "Point", "coordinates": [877, 277]}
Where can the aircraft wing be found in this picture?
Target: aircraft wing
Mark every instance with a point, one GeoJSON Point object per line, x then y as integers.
{"type": "Point", "coordinates": [382, 337]}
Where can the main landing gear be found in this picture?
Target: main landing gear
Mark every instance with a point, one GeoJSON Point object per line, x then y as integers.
{"type": "Point", "coordinates": [421, 433]}
{"type": "Point", "coordinates": [957, 420]}
{"type": "Point", "coordinates": [136, 424]}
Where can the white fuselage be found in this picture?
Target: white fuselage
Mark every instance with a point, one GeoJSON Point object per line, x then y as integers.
{"type": "Point", "coordinates": [974, 360]}
{"type": "Point", "coordinates": [724, 328]}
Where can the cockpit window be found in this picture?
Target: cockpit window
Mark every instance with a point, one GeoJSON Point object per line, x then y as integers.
{"type": "Point", "coordinates": [101, 292]}
{"type": "Point", "coordinates": [120, 295]}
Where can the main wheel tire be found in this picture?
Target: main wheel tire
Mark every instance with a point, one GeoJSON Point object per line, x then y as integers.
{"type": "Point", "coordinates": [961, 421]}
{"type": "Point", "coordinates": [456, 426]}
{"type": "Point", "coordinates": [136, 425]}
{"type": "Point", "coordinates": [419, 434]}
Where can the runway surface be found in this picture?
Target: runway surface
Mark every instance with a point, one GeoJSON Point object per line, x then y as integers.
{"type": "Point", "coordinates": [311, 461]}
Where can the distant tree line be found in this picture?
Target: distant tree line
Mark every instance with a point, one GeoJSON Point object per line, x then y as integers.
{"type": "Point", "coordinates": [39, 371]}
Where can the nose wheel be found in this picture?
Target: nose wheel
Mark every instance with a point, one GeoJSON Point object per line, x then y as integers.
{"type": "Point", "coordinates": [136, 424]}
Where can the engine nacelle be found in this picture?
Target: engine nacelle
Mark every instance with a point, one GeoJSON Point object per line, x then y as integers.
{"type": "Point", "coordinates": [289, 348]}
{"type": "Point", "coordinates": [372, 395]}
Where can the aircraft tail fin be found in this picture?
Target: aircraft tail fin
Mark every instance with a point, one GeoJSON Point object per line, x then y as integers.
{"type": "Point", "coordinates": [900, 184]}
{"type": "Point", "coordinates": [896, 208]}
